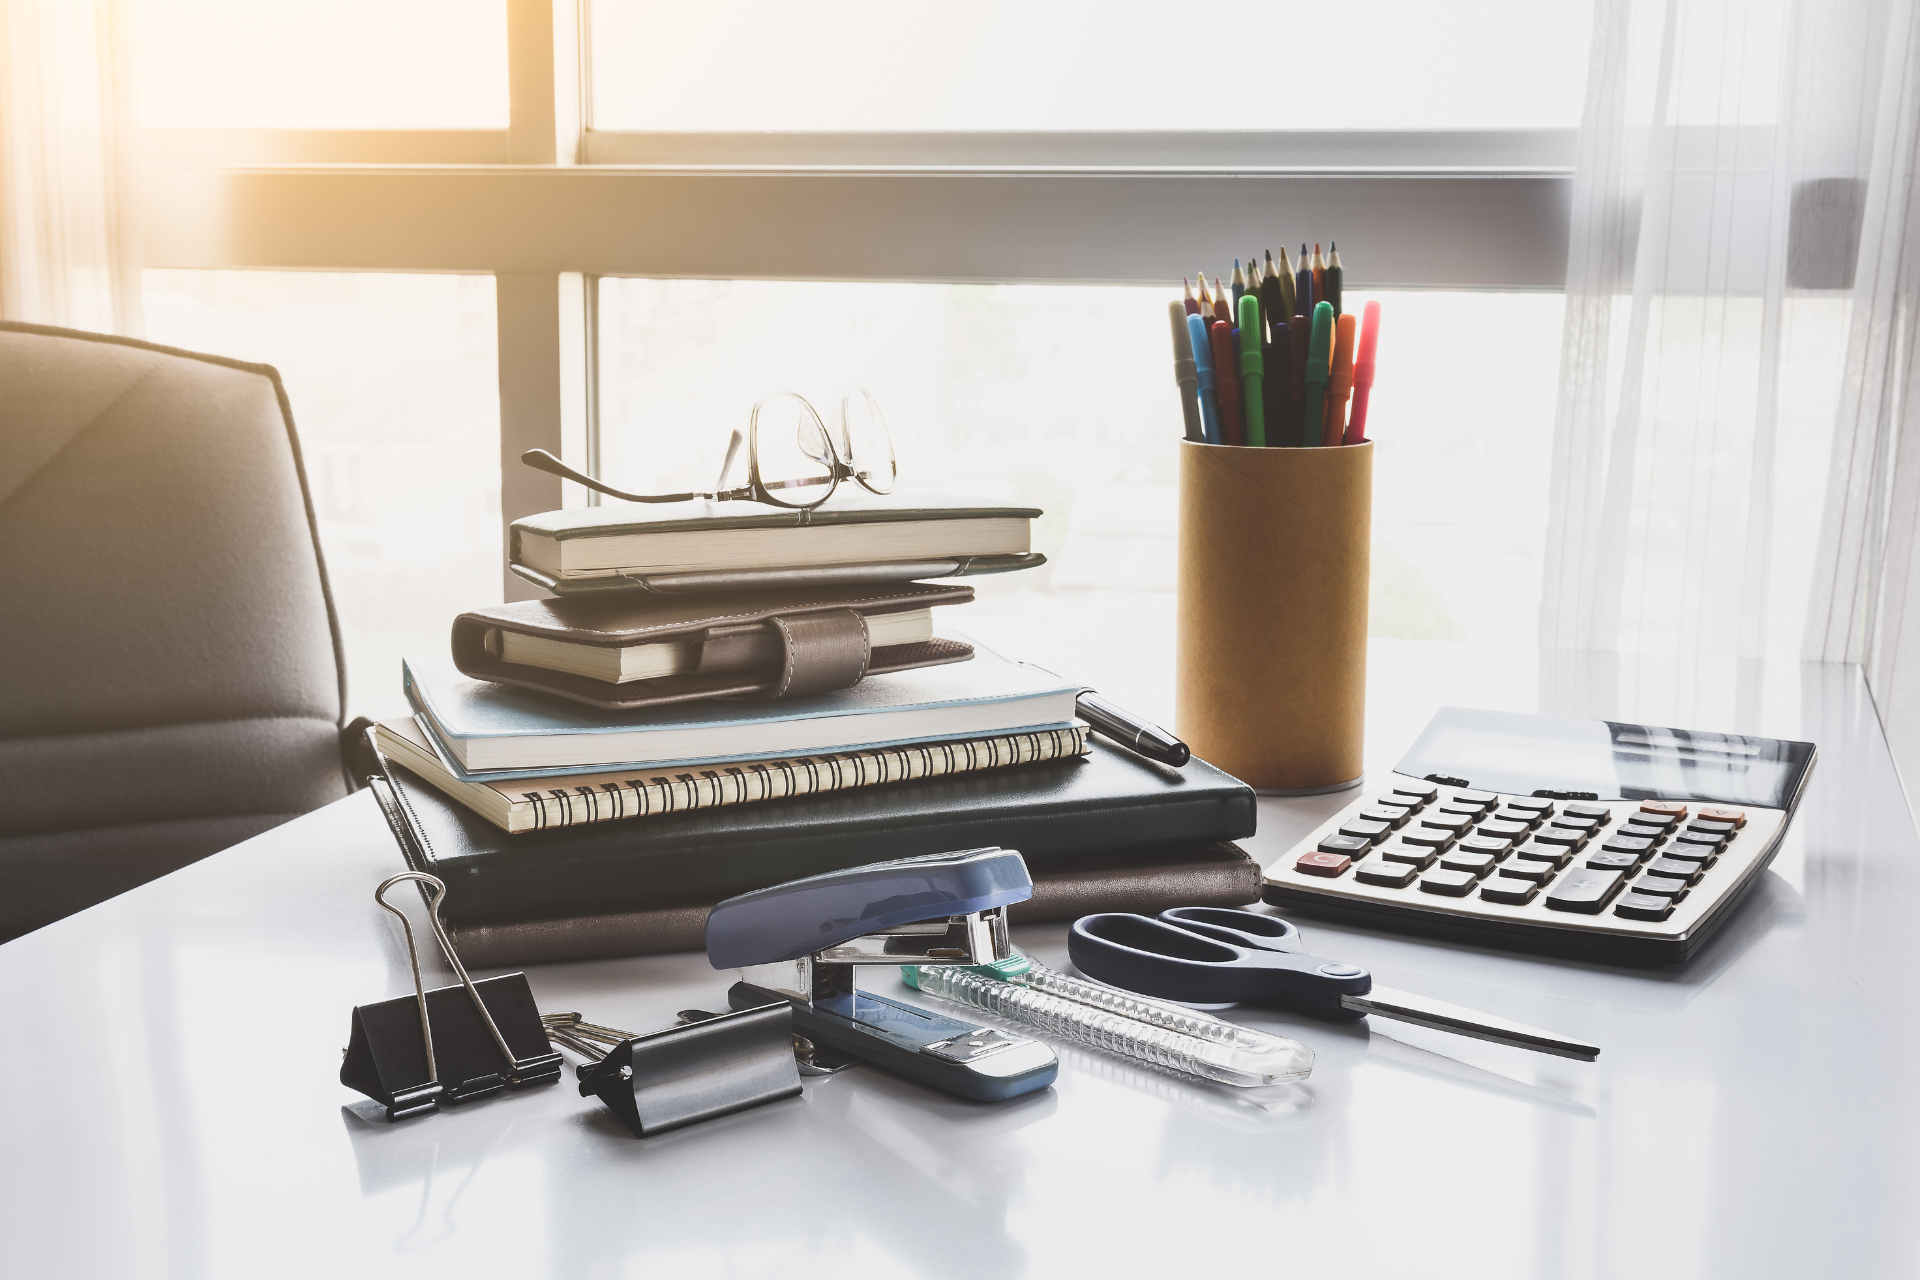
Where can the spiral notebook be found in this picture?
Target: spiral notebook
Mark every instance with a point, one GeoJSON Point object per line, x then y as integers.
{"type": "Point", "coordinates": [537, 804]}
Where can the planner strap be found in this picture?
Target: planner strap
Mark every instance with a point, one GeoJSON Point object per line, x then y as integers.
{"type": "Point", "coordinates": [821, 651]}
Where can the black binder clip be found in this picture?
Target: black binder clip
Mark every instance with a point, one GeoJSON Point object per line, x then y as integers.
{"type": "Point", "coordinates": [707, 1065]}
{"type": "Point", "coordinates": [451, 1044]}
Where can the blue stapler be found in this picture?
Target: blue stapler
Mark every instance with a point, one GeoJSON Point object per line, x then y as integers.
{"type": "Point", "coordinates": [805, 940]}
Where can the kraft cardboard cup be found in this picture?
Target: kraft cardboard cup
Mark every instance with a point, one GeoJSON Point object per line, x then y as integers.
{"type": "Point", "coordinates": [1271, 672]}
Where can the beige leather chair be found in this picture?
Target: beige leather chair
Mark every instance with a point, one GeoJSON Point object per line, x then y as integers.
{"type": "Point", "coordinates": [171, 680]}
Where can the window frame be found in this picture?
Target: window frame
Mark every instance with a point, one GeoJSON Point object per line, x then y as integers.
{"type": "Point", "coordinates": [550, 204]}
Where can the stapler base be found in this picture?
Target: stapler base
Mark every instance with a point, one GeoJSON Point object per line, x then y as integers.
{"type": "Point", "coordinates": [958, 1057]}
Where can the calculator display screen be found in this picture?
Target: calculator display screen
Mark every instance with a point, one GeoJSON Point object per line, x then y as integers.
{"type": "Point", "coordinates": [1520, 754]}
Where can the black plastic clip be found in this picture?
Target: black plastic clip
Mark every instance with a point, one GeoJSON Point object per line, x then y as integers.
{"type": "Point", "coordinates": [451, 1044]}
{"type": "Point", "coordinates": [709, 1065]}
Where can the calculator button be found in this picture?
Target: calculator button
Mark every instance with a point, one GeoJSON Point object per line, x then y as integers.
{"type": "Point", "coordinates": [1722, 829]}
{"type": "Point", "coordinates": [1644, 906]}
{"type": "Point", "coordinates": [1419, 855]}
{"type": "Point", "coordinates": [1371, 832]}
{"type": "Point", "coordinates": [1429, 837]}
{"type": "Point", "coordinates": [1558, 854]}
{"type": "Point", "coordinates": [1666, 808]}
{"type": "Point", "coordinates": [1350, 846]}
{"type": "Point", "coordinates": [1604, 861]}
{"type": "Point", "coordinates": [1508, 831]}
{"type": "Point", "coordinates": [1496, 846]}
{"type": "Point", "coordinates": [1528, 869]}
{"type": "Point", "coordinates": [1322, 864]}
{"type": "Point", "coordinates": [1418, 792]}
{"type": "Point", "coordinates": [1585, 890]}
{"type": "Point", "coordinates": [1567, 822]}
{"type": "Point", "coordinates": [1526, 817]}
{"type": "Point", "coordinates": [1686, 872]}
{"type": "Point", "coordinates": [1698, 855]}
{"type": "Point", "coordinates": [1454, 884]}
{"type": "Point", "coordinates": [1638, 846]}
{"type": "Point", "coordinates": [1478, 863]}
{"type": "Point", "coordinates": [1530, 804]}
{"type": "Point", "coordinates": [1485, 799]}
{"type": "Point", "coordinates": [1392, 814]}
{"type": "Point", "coordinates": [1699, 840]}
{"type": "Point", "coordinates": [1718, 813]}
{"type": "Point", "coordinates": [1635, 831]}
{"type": "Point", "coordinates": [1454, 813]}
{"type": "Point", "coordinates": [1661, 887]}
{"type": "Point", "coordinates": [1389, 875]}
{"type": "Point", "coordinates": [1515, 893]}
{"type": "Point", "coordinates": [1598, 812]}
{"type": "Point", "coordinates": [1454, 822]}
{"type": "Point", "coordinates": [1559, 835]}
{"type": "Point", "coordinates": [1660, 821]}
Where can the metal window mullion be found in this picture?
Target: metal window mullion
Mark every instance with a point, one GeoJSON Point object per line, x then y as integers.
{"type": "Point", "coordinates": [1453, 232]}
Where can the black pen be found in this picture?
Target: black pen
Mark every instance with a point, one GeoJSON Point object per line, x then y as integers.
{"type": "Point", "coordinates": [1131, 732]}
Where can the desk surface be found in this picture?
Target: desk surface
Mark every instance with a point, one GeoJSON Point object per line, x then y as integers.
{"type": "Point", "coordinates": [173, 1107]}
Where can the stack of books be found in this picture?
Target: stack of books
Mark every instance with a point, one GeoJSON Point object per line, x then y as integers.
{"type": "Point", "coordinates": [588, 774]}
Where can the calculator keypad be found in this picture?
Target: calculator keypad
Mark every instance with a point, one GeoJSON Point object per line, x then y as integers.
{"type": "Point", "coordinates": [1460, 851]}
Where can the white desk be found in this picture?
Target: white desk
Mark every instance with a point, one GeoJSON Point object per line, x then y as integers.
{"type": "Point", "coordinates": [173, 1107]}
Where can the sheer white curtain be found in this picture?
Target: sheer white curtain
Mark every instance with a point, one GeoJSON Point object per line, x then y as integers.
{"type": "Point", "coordinates": [1866, 603]}
{"type": "Point", "coordinates": [1743, 295]}
{"type": "Point", "coordinates": [69, 236]}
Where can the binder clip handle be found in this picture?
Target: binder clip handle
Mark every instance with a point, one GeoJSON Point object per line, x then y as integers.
{"type": "Point", "coordinates": [520, 1068]}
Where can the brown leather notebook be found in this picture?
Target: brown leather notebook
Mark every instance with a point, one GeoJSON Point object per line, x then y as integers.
{"type": "Point", "coordinates": [1143, 880]}
{"type": "Point", "coordinates": [627, 651]}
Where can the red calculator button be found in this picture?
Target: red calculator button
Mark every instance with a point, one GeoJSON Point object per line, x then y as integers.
{"type": "Point", "coordinates": [1714, 813]}
{"type": "Point", "coordinates": [1667, 807]}
{"type": "Point", "coordinates": [1322, 864]}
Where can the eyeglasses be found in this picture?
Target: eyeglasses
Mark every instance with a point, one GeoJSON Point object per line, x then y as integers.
{"type": "Point", "coordinates": [786, 439]}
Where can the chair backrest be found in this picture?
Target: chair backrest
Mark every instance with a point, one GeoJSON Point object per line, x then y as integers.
{"type": "Point", "coordinates": [171, 680]}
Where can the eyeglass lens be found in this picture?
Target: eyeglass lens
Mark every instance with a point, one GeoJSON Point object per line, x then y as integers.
{"type": "Point", "coordinates": [795, 457]}
{"type": "Point", "coordinates": [865, 442]}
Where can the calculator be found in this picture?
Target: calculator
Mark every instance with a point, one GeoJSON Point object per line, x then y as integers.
{"type": "Point", "coordinates": [1623, 842]}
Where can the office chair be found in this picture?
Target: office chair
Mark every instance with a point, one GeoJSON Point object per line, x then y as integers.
{"type": "Point", "coordinates": [171, 678]}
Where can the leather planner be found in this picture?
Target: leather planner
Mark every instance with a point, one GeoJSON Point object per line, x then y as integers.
{"type": "Point", "coordinates": [765, 644]}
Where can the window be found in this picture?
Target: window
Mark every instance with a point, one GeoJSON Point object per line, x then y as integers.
{"type": "Point", "coordinates": [947, 209]}
{"type": "Point", "coordinates": [393, 388]}
{"type": "Point", "coordinates": [347, 64]}
{"type": "Point", "coordinates": [1062, 397]}
{"type": "Point", "coordinates": [862, 65]}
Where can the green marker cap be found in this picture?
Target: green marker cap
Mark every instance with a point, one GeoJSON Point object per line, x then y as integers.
{"type": "Point", "coordinates": [1250, 359]}
{"type": "Point", "coordinates": [1320, 346]}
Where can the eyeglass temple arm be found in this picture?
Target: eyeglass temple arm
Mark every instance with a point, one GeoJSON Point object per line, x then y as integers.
{"type": "Point", "coordinates": [541, 460]}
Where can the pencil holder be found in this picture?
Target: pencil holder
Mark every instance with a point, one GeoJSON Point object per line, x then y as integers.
{"type": "Point", "coordinates": [1271, 670]}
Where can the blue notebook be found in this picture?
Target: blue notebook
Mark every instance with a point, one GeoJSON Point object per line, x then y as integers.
{"type": "Point", "coordinates": [492, 729]}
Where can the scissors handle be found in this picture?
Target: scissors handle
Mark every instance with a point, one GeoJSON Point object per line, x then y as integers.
{"type": "Point", "coordinates": [1238, 928]}
{"type": "Point", "coordinates": [1179, 962]}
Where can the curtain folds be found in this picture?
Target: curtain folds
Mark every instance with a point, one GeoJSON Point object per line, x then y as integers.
{"type": "Point", "coordinates": [1736, 464]}
{"type": "Point", "coordinates": [69, 234]}
{"type": "Point", "coordinates": [1723, 155]}
{"type": "Point", "coordinates": [1866, 604]}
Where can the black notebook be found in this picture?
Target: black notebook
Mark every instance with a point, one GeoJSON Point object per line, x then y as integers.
{"type": "Point", "coordinates": [1109, 799]}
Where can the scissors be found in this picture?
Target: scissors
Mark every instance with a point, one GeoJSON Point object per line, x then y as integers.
{"type": "Point", "coordinates": [1216, 955]}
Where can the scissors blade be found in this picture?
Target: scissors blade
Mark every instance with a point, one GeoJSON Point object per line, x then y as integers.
{"type": "Point", "coordinates": [1422, 1012]}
